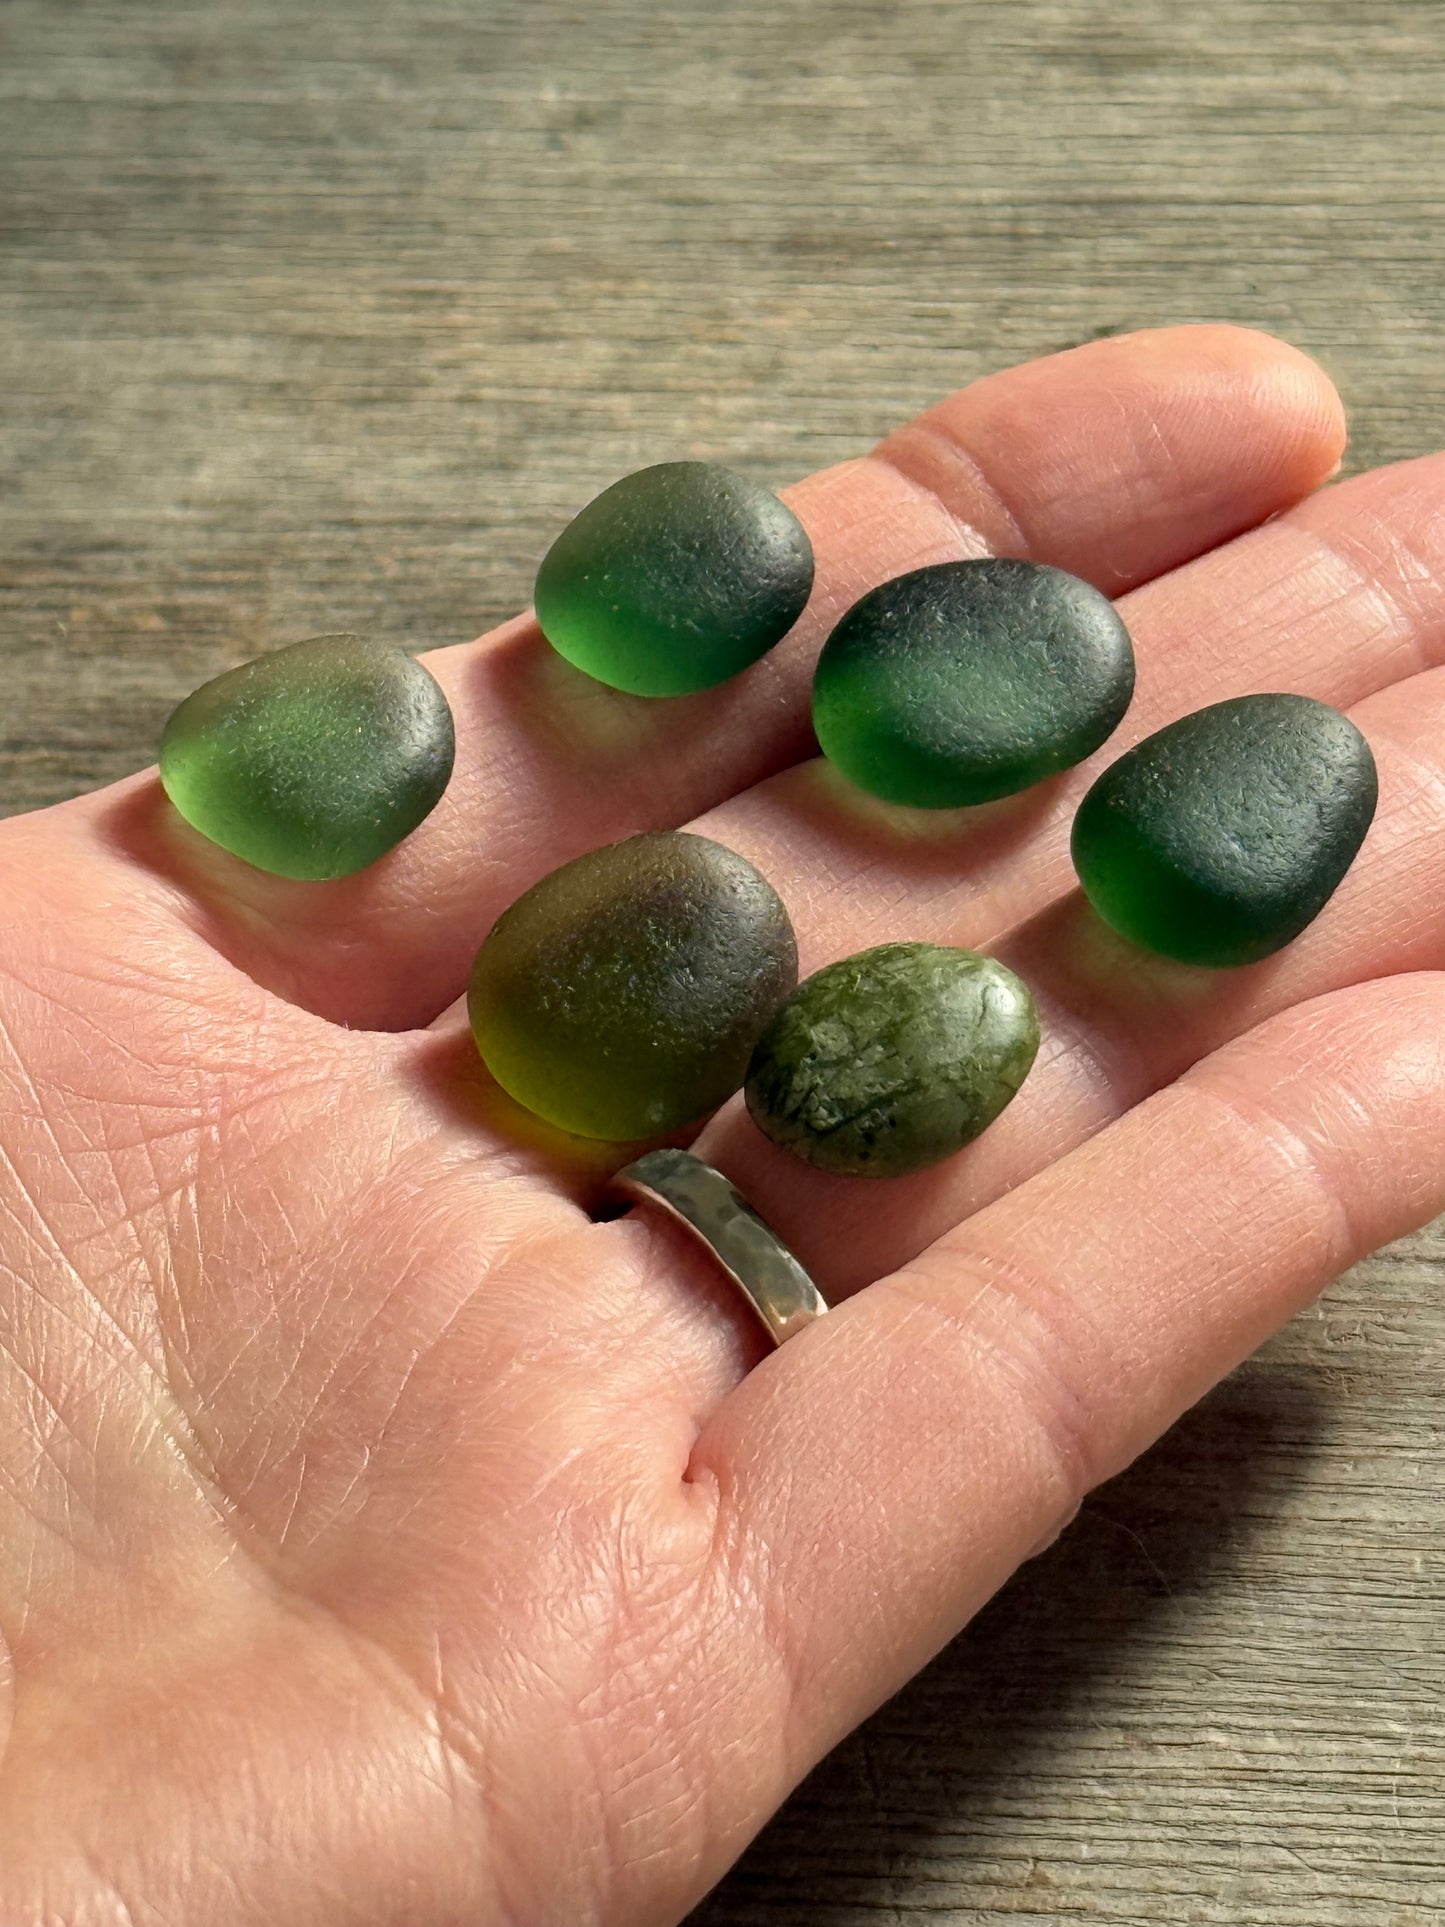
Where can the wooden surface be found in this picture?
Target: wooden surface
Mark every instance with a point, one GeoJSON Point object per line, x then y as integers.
{"type": "Point", "coordinates": [321, 317]}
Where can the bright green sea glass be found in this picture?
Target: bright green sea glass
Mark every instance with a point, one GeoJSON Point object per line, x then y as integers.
{"type": "Point", "coordinates": [312, 761]}
{"type": "Point", "coordinates": [892, 1059]}
{"type": "Point", "coordinates": [674, 579]}
{"type": "Point", "coordinates": [1218, 839]}
{"type": "Point", "coordinates": [967, 681]}
{"type": "Point", "coordinates": [620, 997]}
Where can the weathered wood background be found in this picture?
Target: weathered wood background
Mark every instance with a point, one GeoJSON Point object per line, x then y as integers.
{"type": "Point", "coordinates": [325, 316]}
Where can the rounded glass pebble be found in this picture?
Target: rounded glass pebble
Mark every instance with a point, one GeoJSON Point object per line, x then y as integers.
{"type": "Point", "coordinates": [620, 997]}
{"type": "Point", "coordinates": [893, 1059]}
{"type": "Point", "coordinates": [313, 761]}
{"type": "Point", "coordinates": [1218, 839]}
{"type": "Point", "coordinates": [967, 681]}
{"type": "Point", "coordinates": [674, 579]}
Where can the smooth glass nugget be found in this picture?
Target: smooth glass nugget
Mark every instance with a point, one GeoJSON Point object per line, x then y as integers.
{"type": "Point", "coordinates": [620, 997]}
{"type": "Point", "coordinates": [967, 681]}
{"type": "Point", "coordinates": [1216, 840]}
{"type": "Point", "coordinates": [893, 1059]}
{"type": "Point", "coordinates": [674, 579]}
{"type": "Point", "coordinates": [313, 761]}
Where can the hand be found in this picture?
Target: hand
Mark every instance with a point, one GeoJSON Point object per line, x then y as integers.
{"type": "Point", "coordinates": [381, 1540]}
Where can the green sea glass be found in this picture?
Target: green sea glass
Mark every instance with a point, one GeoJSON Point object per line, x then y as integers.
{"type": "Point", "coordinates": [621, 996]}
{"type": "Point", "coordinates": [312, 761]}
{"type": "Point", "coordinates": [1218, 839]}
{"type": "Point", "coordinates": [892, 1059]}
{"type": "Point", "coordinates": [967, 681]}
{"type": "Point", "coordinates": [674, 579]}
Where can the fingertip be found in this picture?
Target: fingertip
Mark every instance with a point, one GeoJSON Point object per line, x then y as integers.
{"type": "Point", "coordinates": [1298, 411]}
{"type": "Point", "coordinates": [1273, 377]}
{"type": "Point", "coordinates": [1129, 455]}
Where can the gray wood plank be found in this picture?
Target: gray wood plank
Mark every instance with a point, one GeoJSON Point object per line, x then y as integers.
{"type": "Point", "coordinates": [327, 317]}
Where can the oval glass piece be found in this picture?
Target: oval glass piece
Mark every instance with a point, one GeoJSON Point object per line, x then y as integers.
{"type": "Point", "coordinates": [893, 1059]}
{"type": "Point", "coordinates": [1216, 840]}
{"type": "Point", "coordinates": [313, 761]}
{"type": "Point", "coordinates": [620, 997]}
{"type": "Point", "coordinates": [967, 681]}
{"type": "Point", "coordinates": [674, 579]}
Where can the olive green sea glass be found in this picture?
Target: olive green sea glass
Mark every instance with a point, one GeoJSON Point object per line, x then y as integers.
{"type": "Point", "coordinates": [312, 761]}
{"type": "Point", "coordinates": [674, 579]}
{"type": "Point", "coordinates": [892, 1059]}
{"type": "Point", "coordinates": [967, 681]}
{"type": "Point", "coordinates": [1218, 839]}
{"type": "Point", "coordinates": [621, 996]}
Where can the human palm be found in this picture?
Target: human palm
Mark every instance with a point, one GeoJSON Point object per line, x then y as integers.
{"type": "Point", "coordinates": [382, 1539]}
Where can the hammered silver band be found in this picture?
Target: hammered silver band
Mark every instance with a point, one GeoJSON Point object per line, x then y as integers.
{"type": "Point", "coordinates": [752, 1254]}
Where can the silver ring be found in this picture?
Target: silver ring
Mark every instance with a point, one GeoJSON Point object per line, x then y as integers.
{"type": "Point", "coordinates": [749, 1251]}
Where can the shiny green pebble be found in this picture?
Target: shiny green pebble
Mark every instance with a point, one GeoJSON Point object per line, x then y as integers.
{"type": "Point", "coordinates": [893, 1059]}
{"type": "Point", "coordinates": [621, 996]}
{"type": "Point", "coordinates": [1218, 839]}
{"type": "Point", "coordinates": [312, 761]}
{"type": "Point", "coordinates": [970, 680]}
{"type": "Point", "coordinates": [674, 579]}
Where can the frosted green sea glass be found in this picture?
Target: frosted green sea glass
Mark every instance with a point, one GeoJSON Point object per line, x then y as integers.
{"type": "Point", "coordinates": [620, 997]}
{"type": "Point", "coordinates": [968, 681]}
{"type": "Point", "coordinates": [312, 761]}
{"type": "Point", "coordinates": [893, 1059]}
{"type": "Point", "coordinates": [1218, 839]}
{"type": "Point", "coordinates": [674, 579]}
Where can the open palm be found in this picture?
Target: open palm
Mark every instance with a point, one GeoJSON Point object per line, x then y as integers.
{"type": "Point", "coordinates": [384, 1540]}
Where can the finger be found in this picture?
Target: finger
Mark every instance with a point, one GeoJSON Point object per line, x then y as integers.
{"type": "Point", "coordinates": [1336, 598]}
{"type": "Point", "coordinates": [877, 1478]}
{"type": "Point", "coordinates": [1117, 460]}
{"type": "Point", "coordinates": [1119, 1023]}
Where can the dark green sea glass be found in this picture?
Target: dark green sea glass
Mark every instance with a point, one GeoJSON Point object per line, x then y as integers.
{"type": "Point", "coordinates": [674, 579]}
{"type": "Point", "coordinates": [312, 761]}
{"type": "Point", "coordinates": [620, 997]}
{"type": "Point", "coordinates": [893, 1059]}
{"type": "Point", "coordinates": [970, 680]}
{"type": "Point", "coordinates": [1218, 839]}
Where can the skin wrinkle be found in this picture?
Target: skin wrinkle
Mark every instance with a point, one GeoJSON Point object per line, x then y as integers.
{"type": "Point", "coordinates": [612, 1666]}
{"type": "Point", "coordinates": [1340, 1233]}
{"type": "Point", "coordinates": [146, 1386]}
{"type": "Point", "coordinates": [519, 1366]}
{"type": "Point", "coordinates": [1112, 1064]}
{"type": "Point", "coordinates": [624, 1806]}
{"type": "Point", "coordinates": [1396, 618]}
{"type": "Point", "coordinates": [738, 1567]}
{"type": "Point", "coordinates": [1024, 1327]}
{"type": "Point", "coordinates": [773, 1611]}
{"type": "Point", "coordinates": [906, 454]}
{"type": "Point", "coordinates": [194, 1470]}
{"type": "Point", "coordinates": [336, 1358]}
{"type": "Point", "coordinates": [44, 1443]}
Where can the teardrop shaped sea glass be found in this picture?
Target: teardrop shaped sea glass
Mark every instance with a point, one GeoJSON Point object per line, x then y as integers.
{"type": "Point", "coordinates": [313, 761]}
{"type": "Point", "coordinates": [620, 997]}
{"type": "Point", "coordinates": [674, 579]}
{"type": "Point", "coordinates": [1218, 839]}
{"type": "Point", "coordinates": [967, 681]}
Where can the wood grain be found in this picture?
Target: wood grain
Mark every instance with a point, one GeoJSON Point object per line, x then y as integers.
{"type": "Point", "coordinates": [320, 318]}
